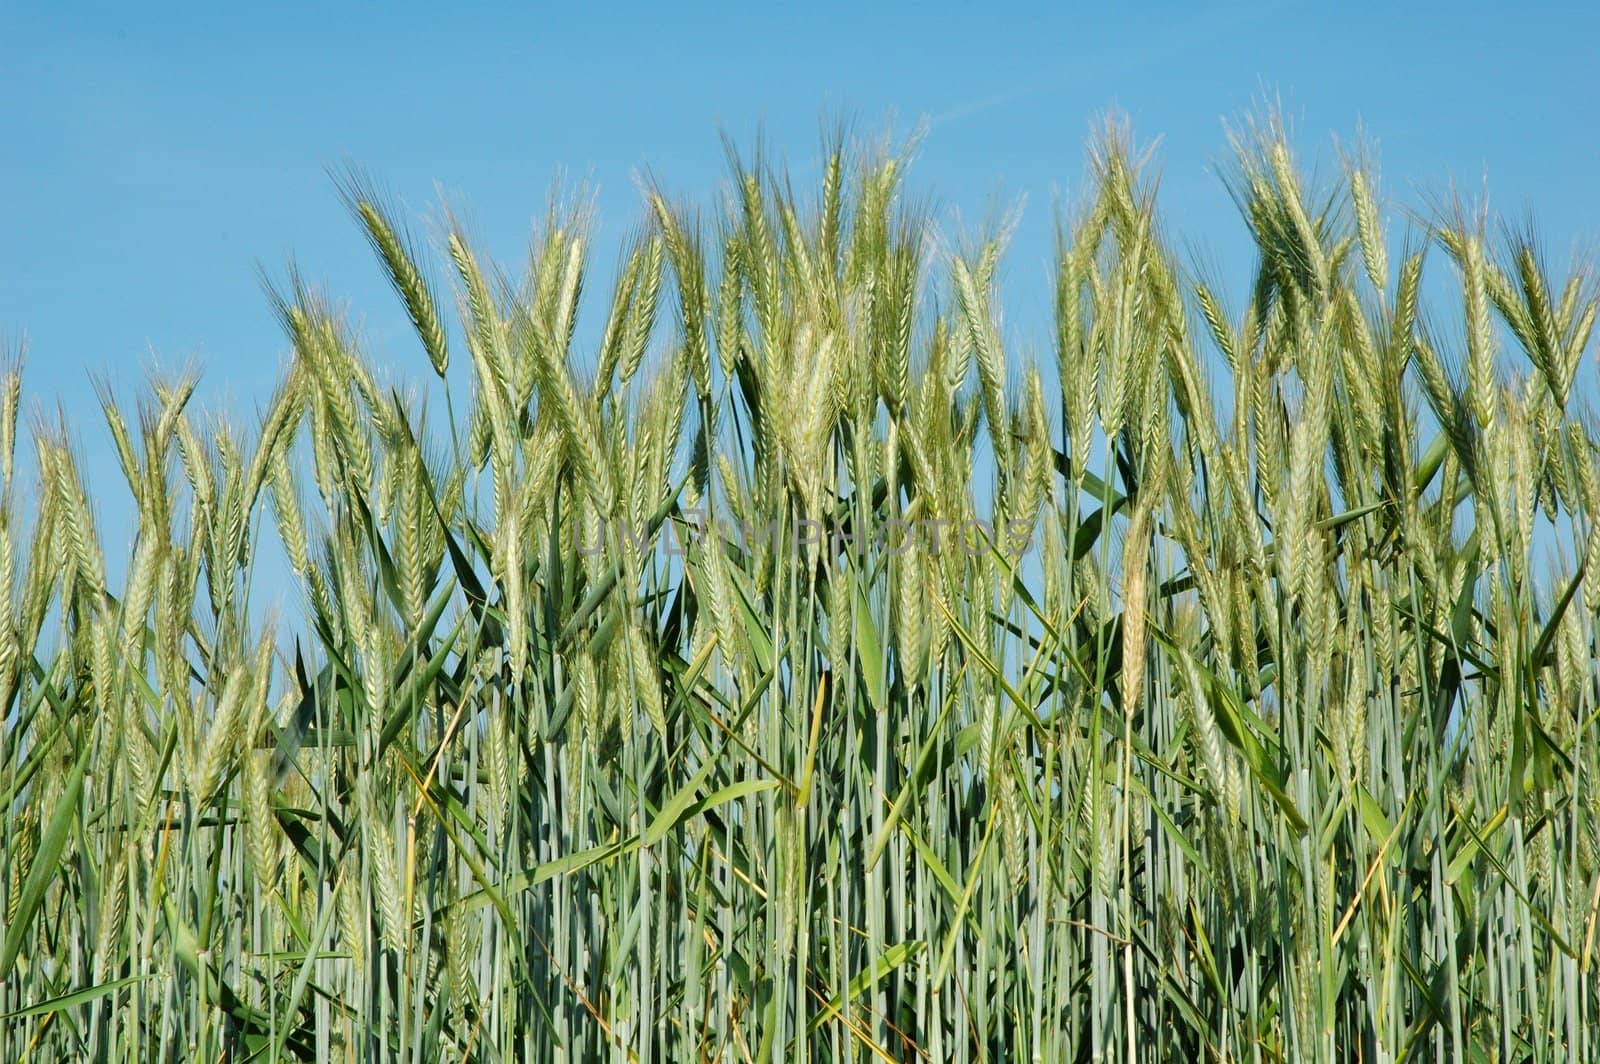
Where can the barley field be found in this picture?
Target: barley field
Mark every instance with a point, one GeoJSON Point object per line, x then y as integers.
{"type": "Point", "coordinates": [795, 662]}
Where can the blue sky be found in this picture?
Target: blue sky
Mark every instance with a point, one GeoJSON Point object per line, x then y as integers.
{"type": "Point", "coordinates": [154, 159]}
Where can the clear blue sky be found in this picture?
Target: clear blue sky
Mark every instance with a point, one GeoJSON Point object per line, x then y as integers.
{"type": "Point", "coordinates": [152, 160]}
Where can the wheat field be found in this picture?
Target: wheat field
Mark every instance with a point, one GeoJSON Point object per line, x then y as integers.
{"type": "Point", "coordinates": [790, 664]}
